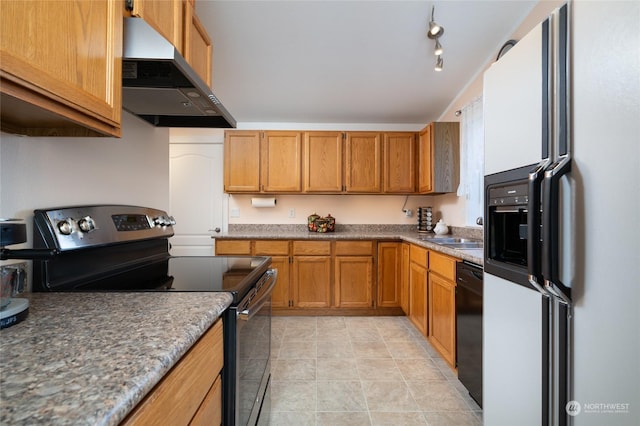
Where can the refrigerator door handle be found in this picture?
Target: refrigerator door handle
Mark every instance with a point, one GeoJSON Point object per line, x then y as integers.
{"type": "Point", "coordinates": [551, 230]}
{"type": "Point", "coordinates": [534, 270]}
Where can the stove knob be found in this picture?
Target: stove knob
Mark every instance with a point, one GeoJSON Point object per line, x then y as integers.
{"type": "Point", "coordinates": [159, 221]}
{"type": "Point", "coordinates": [65, 227]}
{"type": "Point", "coordinates": [86, 224]}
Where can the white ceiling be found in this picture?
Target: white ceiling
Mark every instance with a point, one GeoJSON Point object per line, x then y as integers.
{"type": "Point", "coordinates": [349, 61]}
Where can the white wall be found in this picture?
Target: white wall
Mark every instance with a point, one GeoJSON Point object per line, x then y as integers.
{"type": "Point", "coordinates": [58, 171]}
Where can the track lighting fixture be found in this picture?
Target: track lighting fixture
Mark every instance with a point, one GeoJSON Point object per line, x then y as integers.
{"type": "Point", "coordinates": [434, 33]}
{"type": "Point", "coordinates": [439, 64]}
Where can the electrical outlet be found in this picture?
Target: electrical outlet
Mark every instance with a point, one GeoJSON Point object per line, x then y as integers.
{"type": "Point", "coordinates": [408, 212]}
{"type": "Point", "coordinates": [292, 212]}
{"type": "Point", "coordinates": [235, 212]}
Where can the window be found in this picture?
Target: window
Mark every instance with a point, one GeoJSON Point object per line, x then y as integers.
{"type": "Point", "coordinates": [472, 161]}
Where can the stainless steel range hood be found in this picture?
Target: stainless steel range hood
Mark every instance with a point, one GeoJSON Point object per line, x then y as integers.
{"type": "Point", "coordinates": [159, 86]}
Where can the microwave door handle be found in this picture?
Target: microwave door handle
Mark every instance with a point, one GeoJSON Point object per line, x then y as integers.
{"type": "Point", "coordinates": [533, 228]}
{"type": "Point", "coordinates": [551, 230]}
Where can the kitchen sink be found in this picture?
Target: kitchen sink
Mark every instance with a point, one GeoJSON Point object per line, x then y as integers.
{"type": "Point", "coordinates": [452, 242]}
{"type": "Point", "coordinates": [467, 245]}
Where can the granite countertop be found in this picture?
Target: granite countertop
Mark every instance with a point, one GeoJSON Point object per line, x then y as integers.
{"type": "Point", "coordinates": [89, 358]}
{"type": "Point", "coordinates": [360, 232]}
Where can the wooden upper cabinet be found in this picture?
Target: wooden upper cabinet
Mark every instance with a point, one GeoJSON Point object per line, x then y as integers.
{"type": "Point", "coordinates": [198, 50]}
{"type": "Point", "coordinates": [363, 162]}
{"type": "Point", "coordinates": [166, 16]}
{"type": "Point", "coordinates": [281, 157]}
{"type": "Point", "coordinates": [242, 161]}
{"type": "Point", "coordinates": [439, 158]}
{"type": "Point", "coordinates": [61, 67]}
{"type": "Point", "coordinates": [323, 162]}
{"type": "Point", "coordinates": [399, 162]}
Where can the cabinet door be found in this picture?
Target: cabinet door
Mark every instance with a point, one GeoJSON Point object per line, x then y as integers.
{"type": "Point", "coordinates": [281, 156]}
{"type": "Point", "coordinates": [166, 16]}
{"type": "Point", "coordinates": [399, 163]}
{"type": "Point", "coordinates": [389, 274]}
{"type": "Point", "coordinates": [233, 247]}
{"type": "Point", "coordinates": [442, 317]}
{"type": "Point", "coordinates": [404, 273]}
{"type": "Point", "coordinates": [198, 50]}
{"type": "Point", "coordinates": [418, 296]}
{"type": "Point", "coordinates": [241, 161]}
{"type": "Point", "coordinates": [353, 281]}
{"type": "Point", "coordinates": [281, 296]}
{"type": "Point", "coordinates": [312, 281]}
{"type": "Point", "coordinates": [425, 160]}
{"type": "Point", "coordinates": [363, 162]}
{"type": "Point", "coordinates": [61, 67]}
{"type": "Point", "coordinates": [323, 162]}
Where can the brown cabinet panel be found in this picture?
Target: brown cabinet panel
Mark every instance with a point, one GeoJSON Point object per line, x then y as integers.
{"type": "Point", "coordinates": [61, 67]}
{"type": "Point", "coordinates": [312, 281]}
{"type": "Point", "coordinates": [399, 163]}
{"type": "Point", "coordinates": [242, 161]}
{"type": "Point", "coordinates": [404, 301]}
{"type": "Point", "coordinates": [439, 158]}
{"type": "Point", "coordinates": [363, 162]}
{"type": "Point", "coordinates": [353, 281]}
{"type": "Point", "coordinates": [389, 274]}
{"type": "Point", "coordinates": [347, 248]}
{"type": "Point", "coordinates": [419, 255]}
{"type": "Point", "coordinates": [233, 247]}
{"type": "Point", "coordinates": [271, 247]}
{"type": "Point", "coordinates": [198, 50]}
{"type": "Point", "coordinates": [166, 16]}
{"type": "Point", "coordinates": [315, 248]}
{"type": "Point", "coordinates": [178, 396]}
{"type": "Point", "coordinates": [442, 317]}
{"type": "Point", "coordinates": [281, 157]}
{"type": "Point", "coordinates": [418, 307]}
{"type": "Point", "coordinates": [281, 296]}
{"type": "Point", "coordinates": [322, 162]}
{"type": "Point", "coordinates": [443, 265]}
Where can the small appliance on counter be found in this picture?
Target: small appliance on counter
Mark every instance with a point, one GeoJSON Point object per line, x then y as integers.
{"type": "Point", "coordinates": [425, 219]}
{"type": "Point", "coordinates": [13, 276]}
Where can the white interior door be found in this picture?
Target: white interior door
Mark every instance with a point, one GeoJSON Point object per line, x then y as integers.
{"type": "Point", "coordinates": [196, 197]}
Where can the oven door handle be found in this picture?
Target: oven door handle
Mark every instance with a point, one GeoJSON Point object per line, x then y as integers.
{"type": "Point", "coordinates": [255, 305]}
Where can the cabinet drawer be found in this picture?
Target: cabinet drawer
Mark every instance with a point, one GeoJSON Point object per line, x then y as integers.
{"type": "Point", "coordinates": [271, 248]}
{"type": "Point", "coordinates": [313, 248]}
{"type": "Point", "coordinates": [210, 412]}
{"type": "Point", "coordinates": [443, 265]}
{"type": "Point", "coordinates": [355, 248]}
{"type": "Point", "coordinates": [419, 255]}
{"type": "Point", "coordinates": [242, 247]}
{"type": "Point", "coordinates": [177, 397]}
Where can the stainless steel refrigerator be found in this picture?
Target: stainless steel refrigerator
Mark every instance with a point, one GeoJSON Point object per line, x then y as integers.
{"type": "Point", "coordinates": [561, 299]}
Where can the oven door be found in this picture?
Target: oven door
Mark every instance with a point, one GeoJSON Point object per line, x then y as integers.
{"type": "Point", "coordinates": [253, 356]}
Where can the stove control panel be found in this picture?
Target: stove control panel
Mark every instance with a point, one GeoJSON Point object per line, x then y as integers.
{"type": "Point", "coordinates": [70, 228]}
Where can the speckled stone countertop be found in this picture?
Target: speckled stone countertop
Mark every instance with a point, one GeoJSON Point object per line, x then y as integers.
{"type": "Point", "coordinates": [360, 232]}
{"type": "Point", "coordinates": [89, 358]}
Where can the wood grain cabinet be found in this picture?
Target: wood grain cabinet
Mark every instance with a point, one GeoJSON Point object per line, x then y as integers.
{"type": "Point", "coordinates": [323, 162]}
{"type": "Point", "coordinates": [353, 279]}
{"type": "Point", "coordinates": [262, 162]}
{"type": "Point", "coordinates": [404, 279]}
{"type": "Point", "coordinates": [390, 274]}
{"type": "Point", "coordinates": [399, 163]}
{"type": "Point", "coordinates": [197, 50]}
{"type": "Point", "coordinates": [363, 162]}
{"type": "Point", "coordinates": [311, 274]}
{"type": "Point", "coordinates": [418, 287]}
{"type": "Point", "coordinates": [165, 16]}
{"type": "Point", "coordinates": [61, 67]}
{"type": "Point", "coordinates": [439, 158]}
{"type": "Point", "coordinates": [280, 259]}
{"type": "Point", "coordinates": [442, 305]}
{"type": "Point", "coordinates": [191, 392]}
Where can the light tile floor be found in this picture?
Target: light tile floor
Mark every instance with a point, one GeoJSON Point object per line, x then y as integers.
{"type": "Point", "coordinates": [362, 371]}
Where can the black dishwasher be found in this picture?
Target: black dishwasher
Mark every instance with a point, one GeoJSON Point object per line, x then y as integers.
{"type": "Point", "coordinates": [469, 328]}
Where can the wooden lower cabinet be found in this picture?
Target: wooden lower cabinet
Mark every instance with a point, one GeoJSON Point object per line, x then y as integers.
{"type": "Point", "coordinates": [442, 305]}
{"type": "Point", "coordinates": [312, 281]}
{"type": "Point", "coordinates": [418, 296]}
{"type": "Point", "coordinates": [404, 279]}
{"type": "Point", "coordinates": [279, 252]}
{"type": "Point", "coordinates": [233, 247]}
{"type": "Point", "coordinates": [191, 391]}
{"type": "Point", "coordinates": [389, 274]}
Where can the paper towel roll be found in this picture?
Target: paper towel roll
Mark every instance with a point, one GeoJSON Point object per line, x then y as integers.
{"type": "Point", "coordinates": [263, 202]}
